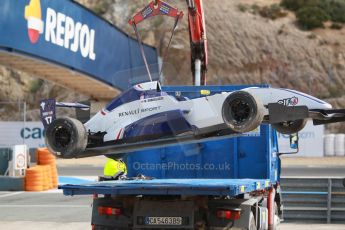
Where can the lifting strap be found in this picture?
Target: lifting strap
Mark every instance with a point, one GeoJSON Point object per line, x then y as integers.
{"type": "Point", "coordinates": [156, 7]}
{"type": "Point", "coordinates": [142, 49]}
{"type": "Point", "coordinates": [171, 37]}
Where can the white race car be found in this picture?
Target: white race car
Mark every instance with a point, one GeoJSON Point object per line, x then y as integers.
{"type": "Point", "coordinates": [146, 116]}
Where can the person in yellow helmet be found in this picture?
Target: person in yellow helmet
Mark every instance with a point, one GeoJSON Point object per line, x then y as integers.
{"type": "Point", "coordinates": [114, 168]}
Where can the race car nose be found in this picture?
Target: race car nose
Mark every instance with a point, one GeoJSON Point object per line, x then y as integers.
{"type": "Point", "coordinates": [326, 105]}
{"type": "Point", "coordinates": [329, 106]}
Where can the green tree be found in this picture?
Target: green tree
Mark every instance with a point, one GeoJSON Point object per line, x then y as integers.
{"type": "Point", "coordinates": [295, 5]}
{"type": "Point", "coordinates": [311, 17]}
{"type": "Point", "coordinates": [336, 10]}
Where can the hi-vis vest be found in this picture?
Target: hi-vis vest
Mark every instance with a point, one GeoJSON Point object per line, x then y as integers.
{"type": "Point", "coordinates": [112, 167]}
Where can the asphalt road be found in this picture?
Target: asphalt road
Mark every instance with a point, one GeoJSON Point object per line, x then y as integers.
{"type": "Point", "coordinates": [44, 210]}
{"type": "Point", "coordinates": [50, 206]}
{"type": "Point", "coordinates": [52, 210]}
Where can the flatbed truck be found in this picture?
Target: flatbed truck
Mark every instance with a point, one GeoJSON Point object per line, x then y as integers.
{"type": "Point", "coordinates": [219, 183]}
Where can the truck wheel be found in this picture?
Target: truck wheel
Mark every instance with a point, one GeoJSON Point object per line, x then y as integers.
{"type": "Point", "coordinates": [252, 223]}
{"type": "Point", "coordinates": [290, 127]}
{"type": "Point", "coordinates": [242, 111]}
{"type": "Point", "coordinates": [276, 220]}
{"type": "Point", "coordinates": [66, 137]}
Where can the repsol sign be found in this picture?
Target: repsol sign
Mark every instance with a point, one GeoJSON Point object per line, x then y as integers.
{"type": "Point", "coordinates": [60, 29]}
{"type": "Point", "coordinates": [32, 133]}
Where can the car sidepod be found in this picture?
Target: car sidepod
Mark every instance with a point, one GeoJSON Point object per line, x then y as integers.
{"type": "Point", "coordinates": [167, 123]}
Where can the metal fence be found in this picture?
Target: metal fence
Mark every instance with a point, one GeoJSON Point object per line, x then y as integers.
{"type": "Point", "coordinates": [319, 200]}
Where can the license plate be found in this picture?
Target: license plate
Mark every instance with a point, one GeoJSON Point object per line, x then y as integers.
{"type": "Point", "coordinates": [163, 221]}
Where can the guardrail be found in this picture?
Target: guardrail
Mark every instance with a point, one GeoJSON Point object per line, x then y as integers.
{"type": "Point", "coordinates": [314, 199]}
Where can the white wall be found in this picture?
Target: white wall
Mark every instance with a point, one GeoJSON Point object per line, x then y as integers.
{"type": "Point", "coordinates": [14, 133]}
{"type": "Point", "coordinates": [310, 141]}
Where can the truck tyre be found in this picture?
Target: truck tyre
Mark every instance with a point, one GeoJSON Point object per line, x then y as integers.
{"type": "Point", "coordinates": [66, 137]}
{"type": "Point", "coordinates": [276, 220]}
{"type": "Point", "coordinates": [242, 112]}
{"type": "Point", "coordinates": [252, 222]}
{"type": "Point", "coordinates": [290, 127]}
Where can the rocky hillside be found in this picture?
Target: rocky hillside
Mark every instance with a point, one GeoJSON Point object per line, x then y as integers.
{"type": "Point", "coordinates": [16, 86]}
{"type": "Point", "coordinates": [244, 48]}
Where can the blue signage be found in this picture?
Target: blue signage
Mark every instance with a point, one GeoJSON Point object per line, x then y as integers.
{"type": "Point", "coordinates": [65, 33]}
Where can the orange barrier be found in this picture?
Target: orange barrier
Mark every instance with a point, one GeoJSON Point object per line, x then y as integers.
{"type": "Point", "coordinates": [34, 179]}
{"type": "Point", "coordinates": [54, 175]}
{"type": "Point", "coordinates": [44, 176]}
{"type": "Point", "coordinates": [44, 157]}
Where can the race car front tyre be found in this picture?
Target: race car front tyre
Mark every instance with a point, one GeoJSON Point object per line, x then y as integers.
{"type": "Point", "coordinates": [290, 127]}
{"type": "Point", "coordinates": [66, 137]}
{"type": "Point", "coordinates": [242, 112]}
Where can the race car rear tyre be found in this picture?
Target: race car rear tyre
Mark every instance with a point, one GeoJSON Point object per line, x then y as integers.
{"type": "Point", "coordinates": [242, 112]}
{"type": "Point", "coordinates": [290, 127]}
{"type": "Point", "coordinates": [66, 137]}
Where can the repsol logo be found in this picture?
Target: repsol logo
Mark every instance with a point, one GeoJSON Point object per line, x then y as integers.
{"type": "Point", "coordinates": [60, 30]}
{"type": "Point", "coordinates": [32, 133]}
{"type": "Point", "coordinates": [63, 31]}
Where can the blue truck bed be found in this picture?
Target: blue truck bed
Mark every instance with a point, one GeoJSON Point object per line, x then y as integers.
{"type": "Point", "coordinates": [216, 187]}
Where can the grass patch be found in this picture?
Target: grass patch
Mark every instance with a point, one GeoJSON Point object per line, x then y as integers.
{"type": "Point", "coordinates": [273, 12]}
{"type": "Point", "coordinates": [243, 7]}
{"type": "Point", "coordinates": [102, 7]}
{"type": "Point", "coordinates": [35, 85]}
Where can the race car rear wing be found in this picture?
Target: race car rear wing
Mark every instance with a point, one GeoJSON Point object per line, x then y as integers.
{"type": "Point", "coordinates": [48, 110]}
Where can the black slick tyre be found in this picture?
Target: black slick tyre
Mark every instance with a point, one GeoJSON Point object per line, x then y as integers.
{"type": "Point", "coordinates": [66, 137]}
{"type": "Point", "coordinates": [242, 112]}
{"type": "Point", "coordinates": [290, 127]}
